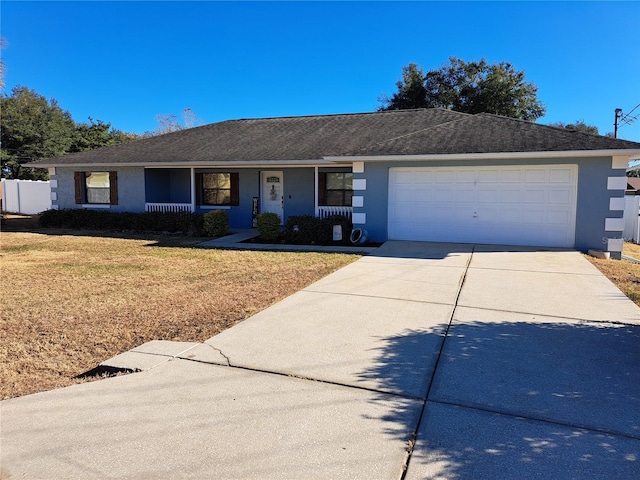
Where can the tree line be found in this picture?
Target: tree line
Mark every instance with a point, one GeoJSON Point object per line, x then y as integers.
{"type": "Point", "coordinates": [33, 127]}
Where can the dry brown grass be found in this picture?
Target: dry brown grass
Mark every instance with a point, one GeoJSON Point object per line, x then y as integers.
{"type": "Point", "coordinates": [70, 301]}
{"type": "Point", "coordinates": [623, 273]}
{"type": "Point", "coordinates": [631, 250]}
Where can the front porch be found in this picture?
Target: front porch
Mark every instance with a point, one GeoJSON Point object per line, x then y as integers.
{"type": "Point", "coordinates": [175, 190]}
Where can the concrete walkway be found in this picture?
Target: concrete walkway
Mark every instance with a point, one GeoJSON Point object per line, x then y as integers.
{"type": "Point", "coordinates": [458, 361]}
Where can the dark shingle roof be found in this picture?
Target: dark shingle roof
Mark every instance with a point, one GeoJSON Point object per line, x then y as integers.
{"type": "Point", "coordinates": [486, 133]}
{"type": "Point", "coordinates": [401, 132]}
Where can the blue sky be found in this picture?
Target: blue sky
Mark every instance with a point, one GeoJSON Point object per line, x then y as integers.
{"type": "Point", "coordinates": [126, 62]}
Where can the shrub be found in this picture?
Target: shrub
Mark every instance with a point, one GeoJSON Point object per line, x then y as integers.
{"type": "Point", "coordinates": [269, 226]}
{"type": "Point", "coordinates": [309, 230]}
{"type": "Point", "coordinates": [216, 223]}
{"type": "Point", "coordinates": [304, 230]}
{"type": "Point", "coordinates": [186, 222]}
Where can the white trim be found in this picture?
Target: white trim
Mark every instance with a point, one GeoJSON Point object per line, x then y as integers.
{"type": "Point", "coordinates": [357, 201]}
{"type": "Point", "coordinates": [316, 195]}
{"type": "Point", "coordinates": [260, 164]}
{"type": "Point", "coordinates": [619, 162]}
{"type": "Point", "coordinates": [616, 183]}
{"type": "Point", "coordinates": [53, 183]}
{"type": "Point", "coordinates": [193, 189]}
{"type": "Point", "coordinates": [482, 156]}
{"type": "Point", "coordinates": [614, 224]}
{"type": "Point", "coordinates": [358, 167]}
{"type": "Point", "coordinates": [615, 244]}
{"type": "Point", "coordinates": [97, 206]}
{"type": "Point", "coordinates": [55, 206]}
{"type": "Point", "coordinates": [359, 184]}
{"type": "Point", "coordinates": [54, 196]}
{"type": "Point", "coordinates": [359, 218]}
{"type": "Point", "coordinates": [616, 204]}
{"type": "Point", "coordinates": [348, 160]}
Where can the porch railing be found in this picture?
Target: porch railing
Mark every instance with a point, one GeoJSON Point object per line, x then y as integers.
{"type": "Point", "coordinates": [324, 212]}
{"type": "Point", "coordinates": [168, 207]}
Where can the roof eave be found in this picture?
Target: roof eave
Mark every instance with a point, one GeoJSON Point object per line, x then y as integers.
{"type": "Point", "coordinates": [198, 164]}
{"type": "Point", "coordinates": [481, 156]}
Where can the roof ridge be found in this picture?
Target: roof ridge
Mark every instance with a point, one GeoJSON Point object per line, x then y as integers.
{"type": "Point", "coordinates": [348, 114]}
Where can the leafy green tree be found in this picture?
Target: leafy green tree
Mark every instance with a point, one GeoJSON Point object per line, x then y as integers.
{"type": "Point", "coordinates": [32, 128]}
{"type": "Point", "coordinates": [473, 87]}
{"type": "Point", "coordinates": [411, 93]}
{"type": "Point", "coordinates": [97, 134]}
{"type": "Point", "coordinates": [579, 126]}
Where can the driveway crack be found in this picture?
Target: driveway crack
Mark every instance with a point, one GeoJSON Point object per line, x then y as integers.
{"type": "Point", "coordinates": [221, 353]}
{"type": "Point", "coordinates": [414, 435]}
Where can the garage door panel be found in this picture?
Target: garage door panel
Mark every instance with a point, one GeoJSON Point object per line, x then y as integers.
{"type": "Point", "coordinates": [520, 205]}
{"type": "Point", "coordinates": [488, 176]}
{"type": "Point", "coordinates": [510, 216]}
{"type": "Point", "coordinates": [445, 176]}
{"type": "Point", "coordinates": [510, 175]}
{"type": "Point", "coordinates": [488, 195]}
{"type": "Point", "coordinates": [510, 196]}
{"type": "Point", "coordinates": [423, 196]}
{"type": "Point", "coordinates": [560, 196]}
{"type": "Point", "coordinates": [561, 175]}
{"type": "Point", "coordinates": [538, 195]}
{"type": "Point", "coordinates": [535, 176]}
{"type": "Point", "coordinates": [558, 217]}
{"type": "Point", "coordinates": [443, 195]}
{"type": "Point", "coordinates": [466, 176]}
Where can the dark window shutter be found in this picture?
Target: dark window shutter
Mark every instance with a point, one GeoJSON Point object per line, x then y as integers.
{"type": "Point", "coordinates": [235, 189]}
{"type": "Point", "coordinates": [78, 178]}
{"type": "Point", "coordinates": [322, 189]}
{"type": "Point", "coordinates": [198, 189]}
{"type": "Point", "coordinates": [113, 188]}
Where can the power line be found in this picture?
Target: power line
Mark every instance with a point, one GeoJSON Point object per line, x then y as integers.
{"type": "Point", "coordinates": [629, 113]}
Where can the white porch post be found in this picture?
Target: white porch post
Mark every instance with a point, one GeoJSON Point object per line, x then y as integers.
{"type": "Point", "coordinates": [315, 191]}
{"type": "Point", "coordinates": [193, 189]}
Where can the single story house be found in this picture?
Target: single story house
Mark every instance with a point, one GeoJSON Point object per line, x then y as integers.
{"type": "Point", "coordinates": [424, 174]}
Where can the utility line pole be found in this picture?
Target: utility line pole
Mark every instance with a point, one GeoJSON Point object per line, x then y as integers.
{"type": "Point", "coordinates": [618, 115]}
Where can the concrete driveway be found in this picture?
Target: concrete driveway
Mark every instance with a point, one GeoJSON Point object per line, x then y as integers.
{"type": "Point", "coordinates": [458, 361]}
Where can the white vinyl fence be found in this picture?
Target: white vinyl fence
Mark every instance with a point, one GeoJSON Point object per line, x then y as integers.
{"type": "Point", "coordinates": [25, 196]}
{"type": "Point", "coordinates": [631, 220]}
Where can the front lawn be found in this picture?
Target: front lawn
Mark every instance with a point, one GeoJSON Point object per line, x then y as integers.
{"type": "Point", "coordinates": [72, 299]}
{"type": "Point", "coordinates": [623, 273]}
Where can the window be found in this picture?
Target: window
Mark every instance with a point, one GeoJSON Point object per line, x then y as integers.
{"type": "Point", "coordinates": [335, 189]}
{"type": "Point", "coordinates": [218, 189]}
{"type": "Point", "coordinates": [96, 188]}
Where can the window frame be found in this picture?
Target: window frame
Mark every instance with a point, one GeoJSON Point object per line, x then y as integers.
{"type": "Point", "coordinates": [323, 190]}
{"type": "Point", "coordinates": [234, 197]}
{"type": "Point", "coordinates": [81, 189]}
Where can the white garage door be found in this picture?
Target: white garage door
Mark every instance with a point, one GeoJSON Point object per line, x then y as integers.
{"type": "Point", "coordinates": [508, 205]}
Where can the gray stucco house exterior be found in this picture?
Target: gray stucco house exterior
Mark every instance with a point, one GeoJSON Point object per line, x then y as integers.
{"type": "Point", "coordinates": [425, 174]}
